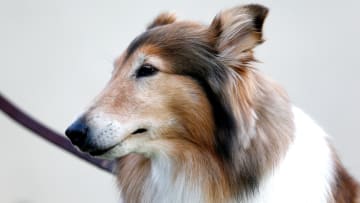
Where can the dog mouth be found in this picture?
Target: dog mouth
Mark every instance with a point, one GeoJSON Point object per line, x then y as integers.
{"type": "Point", "coordinates": [101, 152]}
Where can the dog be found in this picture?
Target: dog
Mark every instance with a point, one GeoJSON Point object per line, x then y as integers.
{"type": "Point", "coordinates": [190, 119]}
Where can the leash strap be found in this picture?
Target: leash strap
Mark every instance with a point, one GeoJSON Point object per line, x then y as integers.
{"type": "Point", "coordinates": [49, 135]}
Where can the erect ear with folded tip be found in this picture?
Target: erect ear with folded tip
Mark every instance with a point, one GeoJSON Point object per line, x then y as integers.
{"type": "Point", "coordinates": [162, 19]}
{"type": "Point", "coordinates": [238, 30]}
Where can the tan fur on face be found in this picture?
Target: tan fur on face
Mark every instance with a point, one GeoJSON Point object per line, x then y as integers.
{"type": "Point", "coordinates": [127, 98]}
{"type": "Point", "coordinates": [187, 143]}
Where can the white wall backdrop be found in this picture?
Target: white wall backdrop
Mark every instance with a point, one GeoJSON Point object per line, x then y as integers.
{"type": "Point", "coordinates": [56, 55]}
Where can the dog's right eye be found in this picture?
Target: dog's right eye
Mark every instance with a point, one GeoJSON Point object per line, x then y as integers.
{"type": "Point", "coordinates": [146, 70]}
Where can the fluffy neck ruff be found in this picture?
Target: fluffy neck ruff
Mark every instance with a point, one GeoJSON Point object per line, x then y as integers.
{"type": "Point", "coordinates": [184, 173]}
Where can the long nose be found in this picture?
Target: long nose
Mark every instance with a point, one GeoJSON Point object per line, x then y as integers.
{"type": "Point", "coordinates": [77, 132]}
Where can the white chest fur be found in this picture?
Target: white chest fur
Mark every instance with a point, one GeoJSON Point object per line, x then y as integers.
{"type": "Point", "coordinates": [167, 188]}
{"type": "Point", "coordinates": [306, 172]}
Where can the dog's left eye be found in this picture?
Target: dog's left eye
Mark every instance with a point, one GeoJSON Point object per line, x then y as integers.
{"type": "Point", "coordinates": [146, 70]}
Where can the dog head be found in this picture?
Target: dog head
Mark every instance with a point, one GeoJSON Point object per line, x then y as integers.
{"type": "Point", "coordinates": [172, 87]}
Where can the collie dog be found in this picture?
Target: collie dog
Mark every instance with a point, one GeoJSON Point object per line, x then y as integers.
{"type": "Point", "coordinates": [189, 119]}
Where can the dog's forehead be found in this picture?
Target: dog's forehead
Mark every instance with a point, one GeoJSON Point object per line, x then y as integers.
{"type": "Point", "coordinates": [167, 37]}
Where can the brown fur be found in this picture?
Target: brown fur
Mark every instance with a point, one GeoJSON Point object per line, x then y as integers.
{"type": "Point", "coordinates": [344, 189]}
{"type": "Point", "coordinates": [273, 129]}
{"type": "Point", "coordinates": [162, 19]}
{"type": "Point", "coordinates": [133, 170]}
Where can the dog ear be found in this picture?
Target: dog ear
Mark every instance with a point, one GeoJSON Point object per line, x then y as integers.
{"type": "Point", "coordinates": [162, 19]}
{"type": "Point", "coordinates": [238, 30]}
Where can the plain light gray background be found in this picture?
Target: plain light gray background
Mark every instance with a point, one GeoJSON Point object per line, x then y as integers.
{"type": "Point", "coordinates": [56, 55]}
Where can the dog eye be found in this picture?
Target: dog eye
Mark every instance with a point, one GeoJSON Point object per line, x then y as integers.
{"type": "Point", "coordinates": [146, 70]}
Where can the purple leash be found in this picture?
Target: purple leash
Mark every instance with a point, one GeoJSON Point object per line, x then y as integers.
{"type": "Point", "coordinates": [50, 135]}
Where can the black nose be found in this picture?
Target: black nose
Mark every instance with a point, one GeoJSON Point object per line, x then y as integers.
{"type": "Point", "coordinates": [77, 132]}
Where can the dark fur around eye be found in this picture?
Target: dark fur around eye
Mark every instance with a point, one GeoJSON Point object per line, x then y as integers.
{"type": "Point", "coordinates": [146, 70]}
